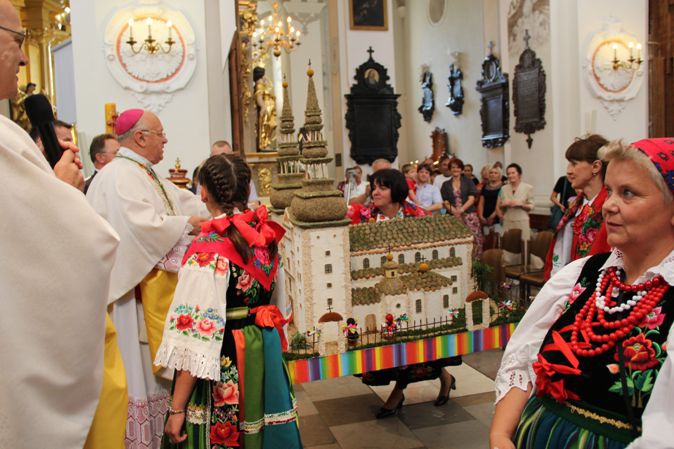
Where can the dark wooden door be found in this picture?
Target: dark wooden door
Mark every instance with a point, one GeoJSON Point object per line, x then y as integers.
{"type": "Point", "coordinates": [661, 67]}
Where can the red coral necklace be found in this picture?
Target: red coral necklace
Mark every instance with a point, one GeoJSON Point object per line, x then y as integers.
{"type": "Point", "coordinates": [604, 300]}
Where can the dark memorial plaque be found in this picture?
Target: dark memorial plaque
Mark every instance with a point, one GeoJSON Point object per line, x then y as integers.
{"type": "Point", "coordinates": [529, 93]}
{"type": "Point", "coordinates": [372, 116]}
{"type": "Point", "coordinates": [494, 108]}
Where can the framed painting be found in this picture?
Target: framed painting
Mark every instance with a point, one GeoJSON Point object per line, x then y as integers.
{"type": "Point", "coordinates": [368, 15]}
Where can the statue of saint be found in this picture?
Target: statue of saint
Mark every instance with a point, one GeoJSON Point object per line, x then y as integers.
{"type": "Point", "coordinates": [266, 111]}
{"type": "Point", "coordinates": [19, 115]}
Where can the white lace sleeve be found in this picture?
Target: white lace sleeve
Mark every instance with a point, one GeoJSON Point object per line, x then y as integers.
{"type": "Point", "coordinates": [658, 419]}
{"type": "Point", "coordinates": [523, 347]}
{"type": "Point", "coordinates": [173, 259]}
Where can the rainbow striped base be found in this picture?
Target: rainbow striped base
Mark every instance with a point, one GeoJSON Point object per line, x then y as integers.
{"type": "Point", "coordinates": [400, 354]}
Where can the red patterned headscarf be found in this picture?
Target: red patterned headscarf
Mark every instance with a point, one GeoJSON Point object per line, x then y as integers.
{"type": "Point", "coordinates": [661, 152]}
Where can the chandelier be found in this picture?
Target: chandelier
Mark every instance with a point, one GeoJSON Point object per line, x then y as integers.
{"type": "Point", "coordinates": [273, 33]}
{"type": "Point", "coordinates": [150, 44]}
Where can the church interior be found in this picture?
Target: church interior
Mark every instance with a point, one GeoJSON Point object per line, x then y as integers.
{"type": "Point", "coordinates": [305, 91]}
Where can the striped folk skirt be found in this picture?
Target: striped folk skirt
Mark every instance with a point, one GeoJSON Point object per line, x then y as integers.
{"type": "Point", "coordinates": [253, 405]}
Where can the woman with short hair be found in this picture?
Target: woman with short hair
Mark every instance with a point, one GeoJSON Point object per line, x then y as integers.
{"type": "Point", "coordinates": [515, 202]}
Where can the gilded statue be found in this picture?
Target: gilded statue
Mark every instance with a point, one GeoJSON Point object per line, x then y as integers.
{"type": "Point", "coordinates": [266, 107]}
{"type": "Point", "coordinates": [19, 115]}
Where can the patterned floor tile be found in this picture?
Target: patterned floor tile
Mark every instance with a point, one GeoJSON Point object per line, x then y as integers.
{"type": "Point", "coordinates": [463, 435]}
{"type": "Point", "coordinates": [388, 433]}
{"type": "Point", "coordinates": [337, 412]}
{"type": "Point", "coordinates": [314, 431]}
{"type": "Point", "coordinates": [427, 415]}
{"type": "Point", "coordinates": [305, 405]}
{"type": "Point", "coordinates": [486, 362]}
{"type": "Point", "coordinates": [335, 388]}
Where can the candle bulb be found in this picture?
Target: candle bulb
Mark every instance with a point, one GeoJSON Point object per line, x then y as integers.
{"type": "Point", "coordinates": [639, 52]}
{"type": "Point", "coordinates": [131, 29]}
{"type": "Point", "coordinates": [169, 25]}
{"type": "Point", "coordinates": [615, 51]}
{"type": "Point", "coordinates": [149, 27]}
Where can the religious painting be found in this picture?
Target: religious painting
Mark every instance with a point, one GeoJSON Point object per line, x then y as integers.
{"type": "Point", "coordinates": [495, 106]}
{"type": "Point", "coordinates": [368, 15]}
{"type": "Point", "coordinates": [529, 93]}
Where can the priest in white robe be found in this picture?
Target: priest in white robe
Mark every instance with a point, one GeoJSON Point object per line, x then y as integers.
{"type": "Point", "coordinates": [57, 255]}
{"type": "Point", "coordinates": [154, 219]}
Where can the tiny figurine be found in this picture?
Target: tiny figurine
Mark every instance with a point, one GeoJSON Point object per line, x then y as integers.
{"type": "Point", "coordinates": [389, 328]}
{"type": "Point", "coordinates": [427, 103]}
{"type": "Point", "coordinates": [351, 331]}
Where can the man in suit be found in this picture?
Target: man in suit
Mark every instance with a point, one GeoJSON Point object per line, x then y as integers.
{"type": "Point", "coordinates": [102, 150]}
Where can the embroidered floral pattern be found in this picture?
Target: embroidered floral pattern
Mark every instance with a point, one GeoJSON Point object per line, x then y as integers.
{"type": "Point", "coordinates": [262, 259]}
{"type": "Point", "coordinates": [191, 321]}
{"type": "Point", "coordinates": [221, 266]}
{"type": "Point", "coordinates": [224, 430]}
{"type": "Point", "coordinates": [639, 353]}
{"type": "Point", "coordinates": [654, 319]}
{"type": "Point", "coordinates": [210, 237]}
{"type": "Point", "coordinates": [576, 291]}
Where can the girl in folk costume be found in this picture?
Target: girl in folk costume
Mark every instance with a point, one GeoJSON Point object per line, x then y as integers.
{"type": "Point", "coordinates": [222, 334]}
{"type": "Point", "coordinates": [579, 231]}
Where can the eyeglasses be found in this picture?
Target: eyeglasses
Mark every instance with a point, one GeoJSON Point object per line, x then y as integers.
{"type": "Point", "coordinates": [21, 34]}
{"type": "Point", "coordinates": [156, 133]}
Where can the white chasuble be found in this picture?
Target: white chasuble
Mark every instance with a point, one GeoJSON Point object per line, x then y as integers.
{"type": "Point", "coordinates": [57, 254]}
{"type": "Point", "coordinates": [151, 216]}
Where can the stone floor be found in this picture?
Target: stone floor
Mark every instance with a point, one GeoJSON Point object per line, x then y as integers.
{"type": "Point", "coordinates": [339, 413]}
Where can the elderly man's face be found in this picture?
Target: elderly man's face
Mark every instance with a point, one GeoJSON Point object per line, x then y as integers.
{"type": "Point", "coordinates": [11, 54]}
{"type": "Point", "coordinates": [154, 138]}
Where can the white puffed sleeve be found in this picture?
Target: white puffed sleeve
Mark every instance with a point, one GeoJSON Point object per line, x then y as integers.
{"type": "Point", "coordinates": [522, 349]}
{"type": "Point", "coordinates": [195, 323]}
{"type": "Point", "coordinates": [658, 417]}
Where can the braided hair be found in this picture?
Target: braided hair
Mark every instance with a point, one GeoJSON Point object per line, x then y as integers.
{"type": "Point", "coordinates": [227, 180]}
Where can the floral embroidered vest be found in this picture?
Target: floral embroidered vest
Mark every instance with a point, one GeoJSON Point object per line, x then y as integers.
{"type": "Point", "coordinates": [597, 383]}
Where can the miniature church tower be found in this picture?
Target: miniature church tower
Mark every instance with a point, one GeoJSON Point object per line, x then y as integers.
{"type": "Point", "coordinates": [290, 172]}
{"type": "Point", "coordinates": [316, 244]}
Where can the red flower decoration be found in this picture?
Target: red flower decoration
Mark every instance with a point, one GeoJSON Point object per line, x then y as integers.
{"type": "Point", "coordinates": [184, 322]}
{"type": "Point", "coordinates": [554, 388]}
{"type": "Point", "coordinates": [654, 319]}
{"type": "Point", "coordinates": [639, 353]}
{"type": "Point", "coordinates": [224, 434]}
{"type": "Point", "coordinates": [204, 259]}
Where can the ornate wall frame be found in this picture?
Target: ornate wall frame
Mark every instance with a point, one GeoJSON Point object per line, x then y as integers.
{"type": "Point", "coordinates": [613, 87]}
{"type": "Point", "coordinates": [529, 92]}
{"type": "Point", "coordinates": [152, 78]}
{"type": "Point", "coordinates": [495, 103]}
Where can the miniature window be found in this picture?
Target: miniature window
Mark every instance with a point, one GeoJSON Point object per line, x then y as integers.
{"type": "Point", "coordinates": [329, 302]}
{"type": "Point", "coordinates": [327, 253]}
{"type": "Point", "coordinates": [417, 256]}
{"type": "Point", "coordinates": [435, 254]}
{"type": "Point", "coordinates": [318, 237]}
{"type": "Point", "coordinates": [455, 290]}
{"type": "Point", "coordinates": [398, 306]}
{"type": "Point", "coordinates": [401, 258]}
{"type": "Point", "coordinates": [454, 278]}
{"type": "Point", "coordinates": [445, 301]}
{"type": "Point", "coordinates": [366, 263]}
{"type": "Point", "coordinates": [328, 268]}
{"type": "Point", "coordinates": [452, 252]}
{"type": "Point", "coordinates": [418, 304]}
{"type": "Point", "coordinates": [329, 285]}
{"type": "Point", "coordinates": [383, 260]}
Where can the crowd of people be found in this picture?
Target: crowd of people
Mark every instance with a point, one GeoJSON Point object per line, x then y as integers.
{"type": "Point", "coordinates": [174, 292]}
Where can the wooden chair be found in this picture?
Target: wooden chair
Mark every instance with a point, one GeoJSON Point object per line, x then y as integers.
{"type": "Point", "coordinates": [539, 247]}
{"type": "Point", "coordinates": [494, 259]}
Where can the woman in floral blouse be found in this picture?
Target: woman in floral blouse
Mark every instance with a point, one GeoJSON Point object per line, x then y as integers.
{"type": "Point", "coordinates": [581, 223]}
{"type": "Point", "coordinates": [590, 364]}
{"type": "Point", "coordinates": [223, 336]}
